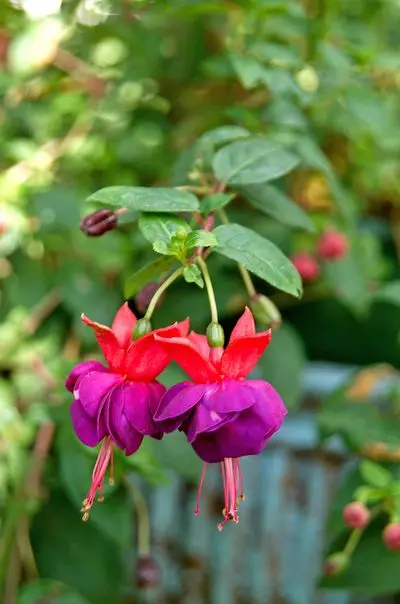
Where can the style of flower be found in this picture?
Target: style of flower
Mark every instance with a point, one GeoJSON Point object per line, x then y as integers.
{"type": "Point", "coordinates": [223, 415]}
{"type": "Point", "coordinates": [115, 403]}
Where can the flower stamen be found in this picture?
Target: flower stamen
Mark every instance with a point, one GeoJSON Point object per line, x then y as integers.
{"type": "Point", "coordinates": [104, 458]}
{"type": "Point", "coordinates": [202, 479]}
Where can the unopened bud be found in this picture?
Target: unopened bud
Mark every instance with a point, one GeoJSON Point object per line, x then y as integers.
{"type": "Point", "coordinates": [215, 335]}
{"type": "Point", "coordinates": [335, 564]}
{"type": "Point", "coordinates": [99, 222]}
{"type": "Point", "coordinates": [144, 297]}
{"type": "Point", "coordinates": [147, 573]}
{"type": "Point", "coordinates": [356, 515]}
{"type": "Point", "coordinates": [306, 266]}
{"type": "Point", "coordinates": [264, 310]}
{"type": "Point", "coordinates": [391, 536]}
{"type": "Point", "coordinates": [333, 245]}
{"type": "Point", "coordinates": [142, 328]}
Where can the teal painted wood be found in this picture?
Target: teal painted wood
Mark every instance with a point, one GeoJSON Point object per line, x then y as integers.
{"type": "Point", "coordinates": [275, 553]}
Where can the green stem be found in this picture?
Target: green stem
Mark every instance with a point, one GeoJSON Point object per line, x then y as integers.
{"type": "Point", "coordinates": [247, 280]}
{"type": "Point", "coordinates": [161, 290]}
{"type": "Point", "coordinates": [142, 516]}
{"type": "Point", "coordinates": [353, 541]}
{"type": "Point", "coordinates": [210, 289]}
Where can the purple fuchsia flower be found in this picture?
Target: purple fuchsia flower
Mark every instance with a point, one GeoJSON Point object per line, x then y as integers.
{"type": "Point", "coordinates": [114, 404]}
{"type": "Point", "coordinates": [223, 415]}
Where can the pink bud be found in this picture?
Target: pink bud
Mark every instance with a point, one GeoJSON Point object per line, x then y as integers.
{"type": "Point", "coordinates": [99, 222]}
{"type": "Point", "coordinates": [332, 245]}
{"type": "Point", "coordinates": [391, 536]}
{"type": "Point", "coordinates": [147, 573]}
{"type": "Point", "coordinates": [306, 266]}
{"type": "Point", "coordinates": [356, 515]}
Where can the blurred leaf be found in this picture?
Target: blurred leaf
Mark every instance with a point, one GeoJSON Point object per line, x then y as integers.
{"type": "Point", "coordinates": [259, 256]}
{"type": "Point", "coordinates": [75, 553]}
{"type": "Point", "coordinates": [157, 199]}
{"type": "Point", "coordinates": [174, 453]}
{"type": "Point", "coordinates": [192, 274]}
{"type": "Point", "coordinates": [151, 271]}
{"type": "Point", "coordinates": [161, 227]}
{"type": "Point", "coordinates": [285, 377]}
{"type": "Point", "coordinates": [200, 238]}
{"type": "Point", "coordinates": [389, 292]}
{"type": "Point", "coordinates": [225, 134]}
{"type": "Point", "coordinates": [252, 161]}
{"type": "Point", "coordinates": [273, 202]}
{"type": "Point", "coordinates": [210, 203]}
{"type": "Point", "coordinates": [374, 474]}
{"type": "Point", "coordinates": [46, 591]}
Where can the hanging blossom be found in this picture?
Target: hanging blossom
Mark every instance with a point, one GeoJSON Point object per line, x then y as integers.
{"type": "Point", "coordinates": [114, 404]}
{"type": "Point", "coordinates": [223, 415]}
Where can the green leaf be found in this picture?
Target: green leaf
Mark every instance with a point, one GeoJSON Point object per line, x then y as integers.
{"type": "Point", "coordinates": [259, 256]}
{"type": "Point", "coordinates": [250, 72]}
{"type": "Point", "coordinates": [156, 199]}
{"type": "Point", "coordinates": [389, 292]}
{"type": "Point", "coordinates": [253, 161]}
{"type": "Point", "coordinates": [374, 474]}
{"type": "Point", "coordinates": [215, 201]}
{"type": "Point", "coordinates": [75, 553]}
{"type": "Point", "coordinates": [163, 248]}
{"type": "Point", "coordinates": [285, 377]}
{"type": "Point", "coordinates": [224, 134]}
{"type": "Point", "coordinates": [50, 592]}
{"type": "Point", "coordinates": [192, 274]}
{"type": "Point", "coordinates": [201, 239]}
{"type": "Point", "coordinates": [273, 202]}
{"type": "Point", "coordinates": [148, 273]}
{"type": "Point", "coordinates": [161, 227]}
{"type": "Point", "coordinates": [174, 453]}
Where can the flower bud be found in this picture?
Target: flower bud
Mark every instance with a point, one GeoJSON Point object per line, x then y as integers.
{"type": "Point", "coordinates": [143, 298]}
{"type": "Point", "coordinates": [332, 245]}
{"type": "Point", "coordinates": [391, 536]}
{"type": "Point", "coordinates": [335, 564]}
{"type": "Point", "coordinates": [264, 310]}
{"type": "Point", "coordinates": [215, 335]}
{"type": "Point", "coordinates": [142, 328]}
{"type": "Point", "coordinates": [147, 573]}
{"type": "Point", "coordinates": [306, 266]}
{"type": "Point", "coordinates": [356, 515]}
{"type": "Point", "coordinates": [99, 222]}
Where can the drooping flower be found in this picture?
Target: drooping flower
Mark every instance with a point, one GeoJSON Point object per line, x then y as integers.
{"type": "Point", "coordinates": [223, 415]}
{"type": "Point", "coordinates": [115, 403]}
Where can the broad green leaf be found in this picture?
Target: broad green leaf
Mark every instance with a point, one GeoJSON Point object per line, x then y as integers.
{"type": "Point", "coordinates": [156, 199]}
{"type": "Point", "coordinates": [374, 474]}
{"type": "Point", "coordinates": [49, 592]}
{"type": "Point", "coordinates": [259, 256]}
{"type": "Point", "coordinates": [161, 247]}
{"type": "Point", "coordinates": [252, 161]}
{"type": "Point", "coordinates": [192, 274]}
{"type": "Point", "coordinates": [75, 552]}
{"type": "Point", "coordinates": [216, 201]}
{"type": "Point", "coordinates": [249, 70]}
{"type": "Point", "coordinates": [285, 377]}
{"type": "Point", "coordinates": [224, 134]}
{"type": "Point", "coordinates": [201, 239]}
{"type": "Point", "coordinates": [273, 202]}
{"type": "Point", "coordinates": [161, 227]}
{"type": "Point", "coordinates": [389, 292]}
{"type": "Point", "coordinates": [148, 273]}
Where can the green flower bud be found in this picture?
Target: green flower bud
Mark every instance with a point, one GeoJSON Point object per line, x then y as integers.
{"type": "Point", "coordinates": [215, 335]}
{"type": "Point", "coordinates": [142, 328]}
{"type": "Point", "coordinates": [336, 563]}
{"type": "Point", "coordinates": [264, 310]}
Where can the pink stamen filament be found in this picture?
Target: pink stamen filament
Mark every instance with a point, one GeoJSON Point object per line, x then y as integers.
{"type": "Point", "coordinates": [104, 459]}
{"type": "Point", "coordinates": [202, 479]}
{"type": "Point", "coordinates": [232, 479]}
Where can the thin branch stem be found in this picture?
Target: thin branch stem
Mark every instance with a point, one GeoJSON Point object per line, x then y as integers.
{"type": "Point", "coordinates": [175, 275]}
{"type": "Point", "coordinates": [143, 520]}
{"type": "Point", "coordinates": [210, 289]}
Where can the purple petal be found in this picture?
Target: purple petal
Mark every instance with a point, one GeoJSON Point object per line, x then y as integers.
{"type": "Point", "coordinates": [93, 387]}
{"type": "Point", "coordinates": [179, 400]}
{"type": "Point", "coordinates": [121, 431]}
{"type": "Point", "coordinates": [79, 370]}
{"type": "Point", "coordinates": [269, 406]}
{"type": "Point", "coordinates": [230, 396]}
{"type": "Point", "coordinates": [205, 420]}
{"type": "Point", "coordinates": [137, 407]}
{"type": "Point", "coordinates": [85, 428]}
{"type": "Point", "coordinates": [157, 391]}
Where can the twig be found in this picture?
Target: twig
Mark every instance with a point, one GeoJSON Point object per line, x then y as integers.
{"type": "Point", "coordinates": [45, 307]}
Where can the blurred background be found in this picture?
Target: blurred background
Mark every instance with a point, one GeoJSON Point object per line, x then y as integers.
{"type": "Point", "coordinates": [97, 93]}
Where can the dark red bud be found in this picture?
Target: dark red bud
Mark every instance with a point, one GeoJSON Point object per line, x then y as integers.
{"type": "Point", "coordinates": [356, 515]}
{"type": "Point", "coordinates": [391, 536]}
{"type": "Point", "coordinates": [147, 573]}
{"type": "Point", "coordinates": [143, 298]}
{"type": "Point", "coordinates": [99, 222]}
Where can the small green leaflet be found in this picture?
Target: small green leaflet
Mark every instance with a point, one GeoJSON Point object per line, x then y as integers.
{"type": "Point", "coordinates": [144, 199]}
{"type": "Point", "coordinates": [192, 274]}
{"type": "Point", "coordinates": [161, 227]}
{"type": "Point", "coordinates": [200, 239]}
{"type": "Point", "coordinates": [274, 203]}
{"type": "Point", "coordinates": [258, 255]}
{"type": "Point", "coordinates": [224, 134]}
{"type": "Point", "coordinates": [148, 273]}
{"type": "Point", "coordinates": [375, 475]}
{"type": "Point", "coordinates": [252, 161]}
{"type": "Point", "coordinates": [216, 201]}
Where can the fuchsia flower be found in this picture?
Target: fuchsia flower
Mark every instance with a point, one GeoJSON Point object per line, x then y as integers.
{"type": "Point", "coordinates": [224, 416]}
{"type": "Point", "coordinates": [115, 404]}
